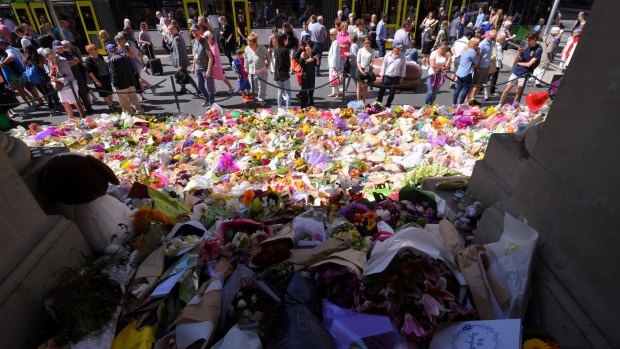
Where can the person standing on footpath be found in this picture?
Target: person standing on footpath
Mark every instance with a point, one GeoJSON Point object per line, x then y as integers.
{"type": "Point", "coordinates": [318, 35]}
{"type": "Point", "coordinates": [550, 44]}
{"type": "Point", "coordinates": [257, 66]}
{"type": "Point", "coordinates": [121, 73]}
{"type": "Point", "coordinates": [469, 59]}
{"type": "Point", "coordinates": [180, 60]}
{"type": "Point", "coordinates": [307, 60]}
{"type": "Point", "coordinates": [202, 66]}
{"type": "Point", "coordinates": [525, 62]}
{"type": "Point", "coordinates": [74, 62]}
{"type": "Point", "coordinates": [393, 71]}
{"type": "Point", "coordinates": [481, 74]}
{"type": "Point", "coordinates": [382, 34]}
{"type": "Point", "coordinates": [217, 69]}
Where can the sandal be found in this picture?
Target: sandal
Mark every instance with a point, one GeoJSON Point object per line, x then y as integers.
{"type": "Point", "coordinates": [331, 95]}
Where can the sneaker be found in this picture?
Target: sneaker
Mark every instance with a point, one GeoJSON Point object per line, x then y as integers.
{"type": "Point", "coordinates": [452, 85]}
{"type": "Point", "coordinates": [205, 104]}
{"type": "Point", "coordinates": [94, 100]}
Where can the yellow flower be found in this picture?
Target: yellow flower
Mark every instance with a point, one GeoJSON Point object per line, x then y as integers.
{"type": "Point", "coordinates": [535, 343]}
{"type": "Point", "coordinates": [280, 155]}
{"type": "Point", "coordinates": [305, 128]}
{"type": "Point", "coordinates": [222, 129]}
{"type": "Point", "coordinates": [299, 161]}
{"type": "Point", "coordinates": [355, 234]}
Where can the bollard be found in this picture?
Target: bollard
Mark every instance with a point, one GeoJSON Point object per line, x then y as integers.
{"type": "Point", "coordinates": [344, 89]}
{"type": "Point", "coordinates": [174, 91]}
{"type": "Point", "coordinates": [79, 101]}
{"type": "Point", "coordinates": [253, 92]}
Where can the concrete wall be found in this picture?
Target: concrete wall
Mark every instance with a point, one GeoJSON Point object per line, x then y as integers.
{"type": "Point", "coordinates": [566, 189]}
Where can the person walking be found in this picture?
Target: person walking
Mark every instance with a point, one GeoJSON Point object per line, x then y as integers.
{"type": "Point", "coordinates": [372, 31]}
{"type": "Point", "coordinates": [468, 61]}
{"type": "Point", "coordinates": [364, 67]}
{"type": "Point", "coordinates": [145, 42]}
{"type": "Point", "coordinates": [393, 72]}
{"type": "Point", "coordinates": [78, 74]}
{"type": "Point", "coordinates": [480, 17]}
{"type": "Point", "coordinates": [318, 35]}
{"type": "Point", "coordinates": [128, 48]}
{"type": "Point", "coordinates": [99, 73]}
{"type": "Point", "coordinates": [227, 40]}
{"type": "Point", "coordinates": [439, 63]}
{"type": "Point", "coordinates": [127, 29]}
{"type": "Point", "coordinates": [403, 36]}
{"type": "Point", "coordinates": [218, 71]}
{"type": "Point", "coordinates": [257, 65]}
{"type": "Point", "coordinates": [581, 20]}
{"type": "Point", "coordinates": [360, 31]}
{"type": "Point", "coordinates": [429, 26]}
{"type": "Point", "coordinates": [550, 44]}
{"type": "Point", "coordinates": [497, 63]}
{"type": "Point", "coordinates": [382, 34]}
{"type": "Point", "coordinates": [243, 83]}
{"type": "Point", "coordinates": [526, 61]}
{"type": "Point", "coordinates": [343, 41]}
{"type": "Point", "coordinates": [282, 71]}
{"type": "Point", "coordinates": [36, 74]}
{"type": "Point", "coordinates": [307, 60]}
{"type": "Point", "coordinates": [454, 27]}
{"type": "Point", "coordinates": [62, 79]}
{"type": "Point", "coordinates": [335, 63]}
{"type": "Point", "coordinates": [122, 76]}
{"type": "Point", "coordinates": [180, 60]}
{"type": "Point", "coordinates": [202, 66]}
{"type": "Point", "coordinates": [481, 73]}
{"type": "Point", "coordinates": [442, 35]}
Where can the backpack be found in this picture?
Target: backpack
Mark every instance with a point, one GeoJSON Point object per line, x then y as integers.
{"type": "Point", "coordinates": [296, 67]}
{"type": "Point", "coordinates": [32, 42]}
{"type": "Point", "coordinates": [33, 74]}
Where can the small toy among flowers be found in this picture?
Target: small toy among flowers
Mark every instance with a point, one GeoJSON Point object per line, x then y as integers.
{"type": "Point", "coordinates": [279, 201]}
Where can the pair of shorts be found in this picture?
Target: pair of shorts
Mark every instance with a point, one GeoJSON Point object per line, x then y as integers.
{"type": "Point", "coordinates": [17, 80]}
{"type": "Point", "coordinates": [65, 95]}
{"type": "Point", "coordinates": [106, 86]}
{"type": "Point", "coordinates": [427, 47]}
{"type": "Point", "coordinates": [481, 76]}
{"type": "Point", "coordinates": [518, 80]}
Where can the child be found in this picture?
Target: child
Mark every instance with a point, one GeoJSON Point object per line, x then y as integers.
{"type": "Point", "coordinates": [243, 84]}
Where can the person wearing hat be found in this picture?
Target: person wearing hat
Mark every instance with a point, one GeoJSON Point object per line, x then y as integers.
{"type": "Point", "coordinates": [202, 65]}
{"type": "Point", "coordinates": [123, 80]}
{"type": "Point", "coordinates": [549, 45]}
{"type": "Point", "coordinates": [525, 62]}
{"type": "Point", "coordinates": [78, 75]}
{"type": "Point", "coordinates": [393, 71]}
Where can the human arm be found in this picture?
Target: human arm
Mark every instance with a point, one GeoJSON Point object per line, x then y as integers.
{"type": "Point", "coordinates": [383, 66]}
{"type": "Point", "coordinates": [533, 60]}
{"type": "Point", "coordinates": [210, 65]}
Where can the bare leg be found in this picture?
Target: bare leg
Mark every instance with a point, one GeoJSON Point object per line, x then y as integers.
{"type": "Point", "coordinates": [507, 90]}
{"type": "Point", "coordinates": [518, 94]}
{"type": "Point", "coordinates": [68, 109]}
{"type": "Point", "coordinates": [79, 111]}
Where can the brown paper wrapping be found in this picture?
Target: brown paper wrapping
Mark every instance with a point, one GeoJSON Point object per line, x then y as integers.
{"type": "Point", "coordinates": [353, 259]}
{"type": "Point", "coordinates": [470, 260]}
{"type": "Point", "coordinates": [310, 256]}
{"type": "Point", "coordinates": [209, 307]}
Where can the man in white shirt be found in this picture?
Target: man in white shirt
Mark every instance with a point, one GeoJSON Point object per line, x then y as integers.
{"type": "Point", "coordinates": [458, 47]}
{"type": "Point", "coordinates": [393, 71]}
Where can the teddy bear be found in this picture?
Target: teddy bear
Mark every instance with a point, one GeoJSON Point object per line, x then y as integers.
{"type": "Point", "coordinates": [81, 182]}
{"type": "Point", "coordinates": [467, 221]}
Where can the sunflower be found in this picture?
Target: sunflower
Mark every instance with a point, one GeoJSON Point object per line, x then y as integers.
{"type": "Point", "coordinates": [535, 343]}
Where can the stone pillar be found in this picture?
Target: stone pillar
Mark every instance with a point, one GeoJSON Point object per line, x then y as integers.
{"type": "Point", "coordinates": [33, 246]}
{"type": "Point", "coordinates": [565, 187]}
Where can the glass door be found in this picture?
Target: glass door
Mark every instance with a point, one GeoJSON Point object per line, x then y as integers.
{"type": "Point", "coordinates": [40, 14]}
{"type": "Point", "coordinates": [90, 24]}
{"type": "Point", "coordinates": [393, 8]}
{"type": "Point", "coordinates": [347, 6]}
{"type": "Point", "coordinates": [22, 13]}
{"type": "Point", "coordinates": [241, 14]}
{"type": "Point", "coordinates": [192, 10]}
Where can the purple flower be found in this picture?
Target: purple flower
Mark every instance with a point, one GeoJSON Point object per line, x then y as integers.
{"type": "Point", "coordinates": [432, 307]}
{"type": "Point", "coordinates": [226, 164]}
{"type": "Point", "coordinates": [339, 123]}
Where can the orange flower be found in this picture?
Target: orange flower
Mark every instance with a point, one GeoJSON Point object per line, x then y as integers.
{"type": "Point", "coordinates": [248, 195]}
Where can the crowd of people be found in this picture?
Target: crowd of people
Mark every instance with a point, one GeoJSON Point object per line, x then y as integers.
{"type": "Point", "coordinates": [468, 50]}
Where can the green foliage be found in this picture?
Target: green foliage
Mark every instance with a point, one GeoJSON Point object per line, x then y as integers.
{"type": "Point", "coordinates": [414, 177]}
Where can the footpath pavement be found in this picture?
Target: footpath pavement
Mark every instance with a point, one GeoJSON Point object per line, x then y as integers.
{"type": "Point", "coordinates": [163, 102]}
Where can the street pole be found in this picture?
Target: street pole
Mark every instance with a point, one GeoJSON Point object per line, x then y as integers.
{"type": "Point", "coordinates": [55, 19]}
{"type": "Point", "coordinates": [551, 19]}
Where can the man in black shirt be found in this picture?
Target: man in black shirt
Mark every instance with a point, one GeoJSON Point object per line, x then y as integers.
{"type": "Point", "coordinates": [123, 81]}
